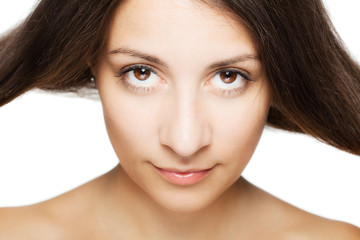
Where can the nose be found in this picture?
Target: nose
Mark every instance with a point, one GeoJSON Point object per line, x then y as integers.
{"type": "Point", "coordinates": [185, 128]}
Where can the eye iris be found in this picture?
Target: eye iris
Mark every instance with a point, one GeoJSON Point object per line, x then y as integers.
{"type": "Point", "coordinates": [228, 77]}
{"type": "Point", "coordinates": [142, 73]}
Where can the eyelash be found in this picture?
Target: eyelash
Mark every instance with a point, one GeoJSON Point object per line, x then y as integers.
{"type": "Point", "coordinates": [143, 90]}
{"type": "Point", "coordinates": [136, 89]}
{"type": "Point", "coordinates": [232, 92]}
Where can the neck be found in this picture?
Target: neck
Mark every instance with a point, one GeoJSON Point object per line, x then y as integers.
{"type": "Point", "coordinates": [155, 220]}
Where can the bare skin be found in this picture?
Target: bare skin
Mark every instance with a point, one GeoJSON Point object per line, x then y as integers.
{"type": "Point", "coordinates": [173, 102]}
{"type": "Point", "coordinates": [88, 213]}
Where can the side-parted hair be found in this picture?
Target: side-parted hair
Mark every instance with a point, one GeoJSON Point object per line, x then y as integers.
{"type": "Point", "coordinates": [315, 84]}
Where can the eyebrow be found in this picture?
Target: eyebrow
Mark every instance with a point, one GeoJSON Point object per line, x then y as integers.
{"type": "Point", "coordinates": [227, 62]}
{"type": "Point", "coordinates": [153, 59]}
{"type": "Point", "coordinates": [135, 53]}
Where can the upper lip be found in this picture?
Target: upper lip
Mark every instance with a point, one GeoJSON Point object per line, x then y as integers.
{"type": "Point", "coordinates": [184, 170]}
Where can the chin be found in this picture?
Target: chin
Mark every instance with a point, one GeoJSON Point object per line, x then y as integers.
{"type": "Point", "coordinates": [185, 200]}
{"type": "Point", "coordinates": [189, 206]}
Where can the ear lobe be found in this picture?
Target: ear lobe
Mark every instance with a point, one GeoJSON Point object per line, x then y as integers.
{"type": "Point", "coordinates": [273, 105]}
{"type": "Point", "coordinates": [92, 76]}
{"type": "Point", "coordinates": [92, 69]}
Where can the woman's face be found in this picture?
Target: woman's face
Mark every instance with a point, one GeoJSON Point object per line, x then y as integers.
{"type": "Point", "coordinates": [183, 91]}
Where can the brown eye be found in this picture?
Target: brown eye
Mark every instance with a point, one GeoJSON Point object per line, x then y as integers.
{"type": "Point", "coordinates": [228, 77]}
{"type": "Point", "coordinates": [142, 73]}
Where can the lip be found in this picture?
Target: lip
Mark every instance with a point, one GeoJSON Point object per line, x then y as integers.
{"type": "Point", "coordinates": [184, 177]}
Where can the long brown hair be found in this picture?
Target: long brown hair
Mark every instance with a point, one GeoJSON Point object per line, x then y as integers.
{"type": "Point", "coordinates": [314, 82]}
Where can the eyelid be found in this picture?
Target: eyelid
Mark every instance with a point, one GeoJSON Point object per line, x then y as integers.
{"type": "Point", "coordinates": [242, 73]}
{"type": "Point", "coordinates": [123, 79]}
{"type": "Point", "coordinates": [132, 67]}
{"type": "Point", "coordinates": [231, 91]}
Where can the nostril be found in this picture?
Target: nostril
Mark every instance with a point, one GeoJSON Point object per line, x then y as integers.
{"type": "Point", "coordinates": [183, 154]}
{"type": "Point", "coordinates": [186, 147]}
{"type": "Point", "coordinates": [185, 128]}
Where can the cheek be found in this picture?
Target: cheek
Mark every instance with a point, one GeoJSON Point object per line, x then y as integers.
{"type": "Point", "coordinates": [128, 133]}
{"type": "Point", "coordinates": [127, 122]}
{"type": "Point", "coordinates": [239, 131]}
{"type": "Point", "coordinates": [127, 128]}
{"type": "Point", "coordinates": [132, 128]}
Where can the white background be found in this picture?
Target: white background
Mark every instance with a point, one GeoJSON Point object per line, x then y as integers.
{"type": "Point", "coordinates": [50, 144]}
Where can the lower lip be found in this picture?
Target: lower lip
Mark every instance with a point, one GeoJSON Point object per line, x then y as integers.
{"type": "Point", "coordinates": [184, 178]}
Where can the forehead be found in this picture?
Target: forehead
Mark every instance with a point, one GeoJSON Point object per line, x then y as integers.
{"type": "Point", "coordinates": [186, 24]}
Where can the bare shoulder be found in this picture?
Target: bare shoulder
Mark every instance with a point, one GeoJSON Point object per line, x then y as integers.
{"type": "Point", "coordinates": [63, 217]}
{"type": "Point", "coordinates": [341, 230]}
{"type": "Point", "coordinates": [323, 229]}
{"type": "Point", "coordinates": [291, 223]}
{"type": "Point", "coordinates": [28, 223]}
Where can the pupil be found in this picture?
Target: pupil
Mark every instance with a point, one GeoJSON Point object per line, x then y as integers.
{"type": "Point", "coordinates": [228, 77]}
{"type": "Point", "coordinates": [142, 73]}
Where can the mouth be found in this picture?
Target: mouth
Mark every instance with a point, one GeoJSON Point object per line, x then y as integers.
{"type": "Point", "coordinates": [184, 177]}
